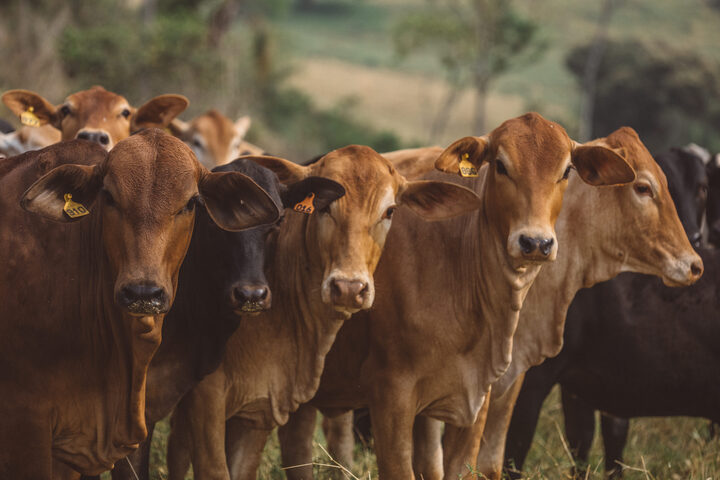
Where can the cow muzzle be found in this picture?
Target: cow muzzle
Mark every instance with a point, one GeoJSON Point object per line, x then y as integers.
{"type": "Point", "coordinates": [100, 137]}
{"type": "Point", "coordinates": [683, 271]}
{"type": "Point", "coordinates": [250, 299]}
{"type": "Point", "coordinates": [143, 299]}
{"type": "Point", "coordinates": [532, 246]}
{"type": "Point", "coordinates": [348, 294]}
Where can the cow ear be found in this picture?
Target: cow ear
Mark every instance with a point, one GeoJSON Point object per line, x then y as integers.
{"type": "Point", "coordinates": [235, 202]}
{"type": "Point", "coordinates": [471, 149]}
{"type": "Point", "coordinates": [22, 101]}
{"type": "Point", "coordinates": [434, 200]}
{"type": "Point", "coordinates": [179, 129]}
{"type": "Point", "coordinates": [286, 171]}
{"type": "Point", "coordinates": [48, 195]}
{"type": "Point", "coordinates": [159, 111]}
{"type": "Point", "coordinates": [325, 190]}
{"type": "Point", "coordinates": [242, 125]}
{"type": "Point", "coordinates": [599, 165]}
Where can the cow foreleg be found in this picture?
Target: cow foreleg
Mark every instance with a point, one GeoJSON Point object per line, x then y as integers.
{"type": "Point", "coordinates": [392, 409]}
{"type": "Point", "coordinates": [198, 433]}
{"type": "Point", "coordinates": [340, 439]}
{"type": "Point", "coordinates": [579, 426]}
{"type": "Point", "coordinates": [492, 447]}
{"type": "Point", "coordinates": [461, 446]}
{"type": "Point", "coordinates": [244, 448]}
{"type": "Point", "coordinates": [296, 439]}
{"type": "Point", "coordinates": [140, 460]}
{"type": "Point", "coordinates": [427, 448]}
{"type": "Point", "coordinates": [614, 432]}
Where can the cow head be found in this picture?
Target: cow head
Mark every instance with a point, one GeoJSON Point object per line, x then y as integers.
{"type": "Point", "coordinates": [96, 114]}
{"type": "Point", "coordinates": [529, 160]}
{"type": "Point", "coordinates": [713, 200]}
{"type": "Point", "coordinates": [353, 213]}
{"type": "Point", "coordinates": [213, 137]}
{"type": "Point", "coordinates": [643, 228]}
{"type": "Point", "coordinates": [687, 180]}
{"type": "Point", "coordinates": [144, 194]}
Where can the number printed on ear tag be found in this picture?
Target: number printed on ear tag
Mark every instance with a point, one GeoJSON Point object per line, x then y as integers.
{"type": "Point", "coordinates": [29, 118]}
{"type": "Point", "coordinates": [306, 206]}
{"type": "Point", "coordinates": [467, 169]}
{"type": "Point", "coordinates": [74, 209]}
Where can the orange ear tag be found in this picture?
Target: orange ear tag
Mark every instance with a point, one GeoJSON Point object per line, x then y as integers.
{"type": "Point", "coordinates": [306, 206]}
{"type": "Point", "coordinates": [467, 169]}
{"type": "Point", "coordinates": [29, 118]}
{"type": "Point", "coordinates": [74, 209]}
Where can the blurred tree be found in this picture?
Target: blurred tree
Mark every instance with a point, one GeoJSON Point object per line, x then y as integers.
{"type": "Point", "coordinates": [475, 41]}
{"type": "Point", "coordinates": [670, 97]}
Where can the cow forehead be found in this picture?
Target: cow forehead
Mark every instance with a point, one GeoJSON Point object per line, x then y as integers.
{"type": "Point", "coordinates": [532, 143]}
{"type": "Point", "coordinates": [96, 99]}
{"type": "Point", "coordinates": [152, 166]}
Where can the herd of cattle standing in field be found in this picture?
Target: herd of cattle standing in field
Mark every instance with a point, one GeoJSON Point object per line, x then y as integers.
{"type": "Point", "coordinates": [146, 271]}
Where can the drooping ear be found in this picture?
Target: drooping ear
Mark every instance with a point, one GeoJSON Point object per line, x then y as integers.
{"type": "Point", "coordinates": [475, 148]}
{"type": "Point", "coordinates": [434, 200]}
{"type": "Point", "coordinates": [287, 171]}
{"type": "Point", "coordinates": [46, 197]}
{"type": "Point", "coordinates": [179, 129]}
{"type": "Point", "coordinates": [326, 191]}
{"type": "Point", "coordinates": [598, 165]}
{"type": "Point", "coordinates": [159, 111]}
{"type": "Point", "coordinates": [242, 125]}
{"type": "Point", "coordinates": [235, 202]}
{"type": "Point", "coordinates": [20, 101]}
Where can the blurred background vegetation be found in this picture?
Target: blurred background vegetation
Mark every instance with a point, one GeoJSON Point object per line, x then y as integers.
{"type": "Point", "coordinates": [319, 74]}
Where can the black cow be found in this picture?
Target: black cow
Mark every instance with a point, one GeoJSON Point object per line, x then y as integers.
{"type": "Point", "coordinates": [221, 283]}
{"type": "Point", "coordinates": [6, 127]}
{"type": "Point", "coordinates": [713, 201]}
{"type": "Point", "coordinates": [633, 347]}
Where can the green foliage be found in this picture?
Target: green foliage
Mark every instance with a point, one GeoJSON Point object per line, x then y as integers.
{"type": "Point", "coordinates": [670, 96]}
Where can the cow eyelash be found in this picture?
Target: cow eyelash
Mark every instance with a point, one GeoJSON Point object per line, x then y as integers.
{"type": "Point", "coordinates": [389, 213]}
{"type": "Point", "coordinates": [566, 173]}
{"type": "Point", "coordinates": [500, 168]}
{"type": "Point", "coordinates": [190, 205]}
{"type": "Point", "coordinates": [65, 111]}
{"type": "Point", "coordinates": [125, 113]}
{"type": "Point", "coordinates": [643, 189]}
{"type": "Point", "coordinates": [109, 200]}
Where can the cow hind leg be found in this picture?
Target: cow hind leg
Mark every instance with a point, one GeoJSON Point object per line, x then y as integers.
{"type": "Point", "coordinates": [427, 449]}
{"type": "Point", "coordinates": [614, 432]}
{"type": "Point", "coordinates": [244, 448]}
{"type": "Point", "coordinates": [579, 426]}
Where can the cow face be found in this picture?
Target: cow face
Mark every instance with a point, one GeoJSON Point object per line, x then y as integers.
{"type": "Point", "coordinates": [350, 222]}
{"type": "Point", "coordinates": [687, 180]}
{"type": "Point", "coordinates": [145, 194]}
{"type": "Point", "coordinates": [713, 200]}
{"type": "Point", "coordinates": [96, 114]}
{"type": "Point", "coordinates": [213, 137]}
{"type": "Point", "coordinates": [647, 233]}
{"type": "Point", "coordinates": [529, 160]}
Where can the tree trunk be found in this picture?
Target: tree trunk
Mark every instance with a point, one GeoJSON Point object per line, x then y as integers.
{"type": "Point", "coordinates": [592, 68]}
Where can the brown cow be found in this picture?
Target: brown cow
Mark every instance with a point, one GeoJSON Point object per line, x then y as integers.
{"type": "Point", "coordinates": [96, 114]}
{"type": "Point", "coordinates": [441, 329]}
{"type": "Point", "coordinates": [214, 138]}
{"type": "Point", "coordinates": [320, 274]}
{"type": "Point", "coordinates": [84, 297]}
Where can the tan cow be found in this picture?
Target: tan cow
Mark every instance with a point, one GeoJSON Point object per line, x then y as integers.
{"type": "Point", "coordinates": [441, 329]}
{"type": "Point", "coordinates": [321, 273]}
{"type": "Point", "coordinates": [215, 139]}
{"type": "Point", "coordinates": [95, 114]}
{"type": "Point", "coordinates": [27, 138]}
{"type": "Point", "coordinates": [84, 296]}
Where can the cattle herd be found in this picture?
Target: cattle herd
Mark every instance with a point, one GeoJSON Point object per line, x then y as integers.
{"type": "Point", "coordinates": [148, 271]}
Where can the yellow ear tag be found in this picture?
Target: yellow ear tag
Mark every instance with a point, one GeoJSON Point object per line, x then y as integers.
{"type": "Point", "coordinates": [29, 118]}
{"type": "Point", "coordinates": [467, 169]}
{"type": "Point", "coordinates": [74, 209]}
{"type": "Point", "coordinates": [306, 206]}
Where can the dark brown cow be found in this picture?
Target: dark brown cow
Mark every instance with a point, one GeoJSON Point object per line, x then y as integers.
{"type": "Point", "coordinates": [95, 114]}
{"type": "Point", "coordinates": [320, 274]}
{"type": "Point", "coordinates": [83, 303]}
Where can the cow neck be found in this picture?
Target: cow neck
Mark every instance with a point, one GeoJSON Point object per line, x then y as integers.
{"type": "Point", "coordinates": [281, 353]}
{"type": "Point", "coordinates": [119, 348]}
{"type": "Point", "coordinates": [197, 328]}
{"type": "Point", "coordinates": [587, 231]}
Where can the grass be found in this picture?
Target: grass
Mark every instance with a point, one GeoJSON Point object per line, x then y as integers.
{"type": "Point", "coordinates": [657, 449]}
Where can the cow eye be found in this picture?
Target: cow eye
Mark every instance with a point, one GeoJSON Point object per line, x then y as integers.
{"type": "Point", "coordinates": [500, 168]}
{"type": "Point", "coordinates": [197, 143]}
{"type": "Point", "coordinates": [643, 190]}
{"type": "Point", "coordinates": [64, 111]}
{"type": "Point", "coordinates": [566, 173]}
{"type": "Point", "coordinates": [389, 213]}
{"type": "Point", "coordinates": [703, 189]}
{"type": "Point", "coordinates": [109, 200]}
{"type": "Point", "coordinates": [190, 205]}
{"type": "Point", "coordinates": [125, 113]}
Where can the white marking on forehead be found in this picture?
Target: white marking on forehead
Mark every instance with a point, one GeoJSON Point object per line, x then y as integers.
{"type": "Point", "coordinates": [698, 151]}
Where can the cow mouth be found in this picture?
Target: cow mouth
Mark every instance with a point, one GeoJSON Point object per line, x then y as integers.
{"type": "Point", "coordinates": [146, 307]}
{"type": "Point", "coordinates": [250, 308]}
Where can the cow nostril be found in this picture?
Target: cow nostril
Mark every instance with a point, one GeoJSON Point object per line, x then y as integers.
{"type": "Point", "coordinates": [262, 293]}
{"type": "Point", "coordinates": [335, 291]}
{"type": "Point", "coordinates": [696, 269]}
{"type": "Point", "coordinates": [527, 244]}
{"type": "Point", "coordinates": [546, 246]}
{"type": "Point", "coordinates": [104, 139]}
{"type": "Point", "coordinates": [84, 135]}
